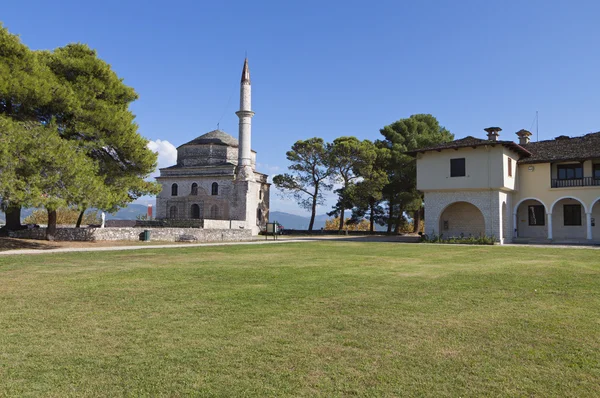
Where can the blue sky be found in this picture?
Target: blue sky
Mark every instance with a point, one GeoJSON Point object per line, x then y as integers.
{"type": "Point", "coordinates": [328, 68]}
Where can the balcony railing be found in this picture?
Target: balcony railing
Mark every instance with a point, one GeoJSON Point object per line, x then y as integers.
{"type": "Point", "coordinates": [576, 182]}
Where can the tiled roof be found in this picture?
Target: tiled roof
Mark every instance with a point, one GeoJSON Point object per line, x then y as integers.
{"type": "Point", "coordinates": [215, 137]}
{"type": "Point", "coordinates": [564, 149]}
{"type": "Point", "coordinates": [473, 142]}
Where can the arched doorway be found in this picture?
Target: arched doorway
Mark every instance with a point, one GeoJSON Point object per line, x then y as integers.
{"type": "Point", "coordinates": [569, 219]}
{"type": "Point", "coordinates": [214, 212]}
{"type": "Point", "coordinates": [596, 220]}
{"type": "Point", "coordinates": [173, 212]}
{"type": "Point", "coordinates": [462, 219]}
{"type": "Point", "coordinates": [195, 211]}
{"type": "Point", "coordinates": [531, 220]}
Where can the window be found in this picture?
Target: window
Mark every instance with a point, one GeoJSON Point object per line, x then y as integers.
{"type": "Point", "coordinates": [572, 214]}
{"type": "Point", "coordinates": [457, 167]}
{"type": "Point", "coordinates": [536, 215]}
{"type": "Point", "coordinates": [569, 171]}
{"type": "Point", "coordinates": [173, 212]}
{"type": "Point", "coordinates": [597, 171]}
{"type": "Point", "coordinates": [214, 212]}
{"type": "Point", "coordinates": [195, 211]}
{"type": "Point", "coordinates": [510, 168]}
{"type": "Point", "coordinates": [260, 193]}
{"type": "Point", "coordinates": [259, 215]}
{"type": "Point", "coordinates": [194, 189]}
{"type": "Point", "coordinates": [174, 190]}
{"type": "Point", "coordinates": [215, 188]}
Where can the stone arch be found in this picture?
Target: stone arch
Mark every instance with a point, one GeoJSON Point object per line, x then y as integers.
{"type": "Point", "coordinates": [568, 197]}
{"type": "Point", "coordinates": [174, 189]}
{"type": "Point", "coordinates": [595, 219]}
{"type": "Point", "coordinates": [528, 223]}
{"type": "Point", "coordinates": [195, 211]}
{"type": "Point", "coordinates": [462, 218]}
{"type": "Point", "coordinates": [597, 201]}
{"type": "Point", "coordinates": [530, 198]}
{"type": "Point", "coordinates": [569, 225]}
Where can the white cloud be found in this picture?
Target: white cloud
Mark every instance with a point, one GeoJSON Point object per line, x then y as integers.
{"type": "Point", "coordinates": [167, 154]}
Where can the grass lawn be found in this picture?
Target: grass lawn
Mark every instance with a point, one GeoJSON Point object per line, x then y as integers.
{"type": "Point", "coordinates": [302, 319]}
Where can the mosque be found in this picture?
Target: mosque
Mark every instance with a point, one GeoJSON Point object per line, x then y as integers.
{"type": "Point", "coordinates": [214, 184]}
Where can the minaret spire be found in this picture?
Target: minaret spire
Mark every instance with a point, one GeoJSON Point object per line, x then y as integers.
{"type": "Point", "coordinates": [244, 169]}
{"type": "Point", "coordinates": [246, 73]}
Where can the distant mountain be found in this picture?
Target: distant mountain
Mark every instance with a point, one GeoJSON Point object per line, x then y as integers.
{"type": "Point", "coordinates": [130, 212]}
{"type": "Point", "coordinates": [292, 221]}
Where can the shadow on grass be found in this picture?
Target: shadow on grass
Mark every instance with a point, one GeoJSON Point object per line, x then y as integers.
{"type": "Point", "coordinates": [16, 244]}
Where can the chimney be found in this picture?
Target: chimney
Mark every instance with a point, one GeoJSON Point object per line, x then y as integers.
{"type": "Point", "coordinates": [493, 133]}
{"type": "Point", "coordinates": [523, 136]}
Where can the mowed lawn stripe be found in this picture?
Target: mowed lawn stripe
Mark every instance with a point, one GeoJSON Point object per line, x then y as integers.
{"type": "Point", "coordinates": [302, 319]}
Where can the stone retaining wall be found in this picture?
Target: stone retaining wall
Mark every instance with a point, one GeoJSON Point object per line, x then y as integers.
{"type": "Point", "coordinates": [134, 234]}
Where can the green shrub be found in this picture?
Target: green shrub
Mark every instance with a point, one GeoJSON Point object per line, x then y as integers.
{"type": "Point", "coordinates": [459, 240]}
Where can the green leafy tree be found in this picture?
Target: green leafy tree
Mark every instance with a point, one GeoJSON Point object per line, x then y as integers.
{"type": "Point", "coordinates": [348, 157]}
{"type": "Point", "coordinates": [368, 192]}
{"type": "Point", "coordinates": [40, 169]}
{"type": "Point", "coordinates": [78, 93]}
{"type": "Point", "coordinates": [103, 123]}
{"type": "Point", "coordinates": [309, 175]}
{"type": "Point", "coordinates": [28, 90]}
{"type": "Point", "coordinates": [415, 132]}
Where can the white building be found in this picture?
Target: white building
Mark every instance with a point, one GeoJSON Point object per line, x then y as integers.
{"type": "Point", "coordinates": [215, 183]}
{"type": "Point", "coordinates": [546, 191]}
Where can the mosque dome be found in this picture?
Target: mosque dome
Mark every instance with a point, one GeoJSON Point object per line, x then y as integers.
{"type": "Point", "coordinates": [215, 137]}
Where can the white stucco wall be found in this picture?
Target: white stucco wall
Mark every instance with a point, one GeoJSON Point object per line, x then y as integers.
{"type": "Point", "coordinates": [486, 168]}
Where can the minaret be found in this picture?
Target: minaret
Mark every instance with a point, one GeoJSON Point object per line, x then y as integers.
{"type": "Point", "coordinates": [244, 169]}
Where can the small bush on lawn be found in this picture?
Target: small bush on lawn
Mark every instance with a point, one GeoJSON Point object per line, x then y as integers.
{"type": "Point", "coordinates": [459, 240]}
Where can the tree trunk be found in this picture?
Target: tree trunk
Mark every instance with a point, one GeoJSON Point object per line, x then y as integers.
{"type": "Point", "coordinates": [390, 217]}
{"type": "Point", "coordinates": [312, 214]}
{"type": "Point", "coordinates": [371, 221]}
{"type": "Point", "coordinates": [416, 220]}
{"type": "Point", "coordinates": [51, 230]}
{"type": "Point", "coordinates": [342, 219]}
{"type": "Point", "coordinates": [13, 218]}
{"type": "Point", "coordinates": [78, 225]}
{"type": "Point", "coordinates": [313, 208]}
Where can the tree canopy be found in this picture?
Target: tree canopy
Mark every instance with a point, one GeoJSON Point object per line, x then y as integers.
{"type": "Point", "coordinates": [68, 108]}
{"type": "Point", "coordinates": [349, 159]}
{"type": "Point", "coordinates": [309, 175]}
{"type": "Point", "coordinates": [377, 179]}
{"type": "Point", "coordinates": [417, 131]}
